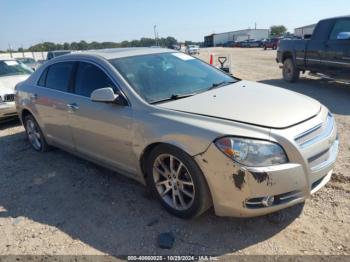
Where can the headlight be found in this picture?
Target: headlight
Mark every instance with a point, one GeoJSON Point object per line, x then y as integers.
{"type": "Point", "coordinates": [251, 152]}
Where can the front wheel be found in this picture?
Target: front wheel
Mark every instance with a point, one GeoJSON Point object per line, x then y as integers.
{"type": "Point", "coordinates": [290, 72]}
{"type": "Point", "coordinates": [178, 183]}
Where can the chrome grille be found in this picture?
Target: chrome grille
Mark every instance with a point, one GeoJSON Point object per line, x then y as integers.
{"type": "Point", "coordinates": [316, 133]}
{"type": "Point", "coordinates": [319, 158]}
{"type": "Point", "coordinates": [9, 98]}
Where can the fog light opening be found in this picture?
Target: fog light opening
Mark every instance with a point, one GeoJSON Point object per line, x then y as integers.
{"type": "Point", "coordinates": [268, 201]}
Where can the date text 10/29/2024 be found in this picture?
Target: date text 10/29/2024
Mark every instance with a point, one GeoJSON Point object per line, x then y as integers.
{"type": "Point", "coordinates": [171, 258]}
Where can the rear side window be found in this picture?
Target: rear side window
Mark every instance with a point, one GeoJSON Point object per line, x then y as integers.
{"type": "Point", "coordinates": [339, 27]}
{"type": "Point", "coordinates": [42, 80]}
{"type": "Point", "coordinates": [59, 75]}
{"type": "Point", "coordinates": [89, 78]}
{"type": "Point", "coordinates": [322, 30]}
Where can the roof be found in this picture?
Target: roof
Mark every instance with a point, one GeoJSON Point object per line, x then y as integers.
{"type": "Point", "coordinates": [125, 52]}
{"type": "Point", "coordinates": [306, 26]}
{"type": "Point", "coordinates": [239, 31]}
{"type": "Point", "coordinates": [331, 18]}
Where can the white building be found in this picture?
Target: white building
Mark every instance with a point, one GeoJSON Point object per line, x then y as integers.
{"type": "Point", "coordinates": [304, 30]}
{"type": "Point", "coordinates": [236, 36]}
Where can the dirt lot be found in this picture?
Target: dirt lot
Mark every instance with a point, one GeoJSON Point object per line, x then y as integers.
{"type": "Point", "coordinates": [55, 203]}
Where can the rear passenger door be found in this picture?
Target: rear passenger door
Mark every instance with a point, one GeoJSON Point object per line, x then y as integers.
{"type": "Point", "coordinates": [337, 53]}
{"type": "Point", "coordinates": [101, 131]}
{"type": "Point", "coordinates": [51, 99]}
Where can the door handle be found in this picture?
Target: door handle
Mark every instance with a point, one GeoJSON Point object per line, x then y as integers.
{"type": "Point", "coordinates": [73, 106]}
{"type": "Point", "coordinates": [34, 97]}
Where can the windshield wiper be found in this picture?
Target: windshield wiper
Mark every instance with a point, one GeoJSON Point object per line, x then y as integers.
{"type": "Point", "coordinates": [173, 97]}
{"type": "Point", "coordinates": [221, 84]}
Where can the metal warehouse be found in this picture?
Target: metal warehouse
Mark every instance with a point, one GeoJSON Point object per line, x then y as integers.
{"type": "Point", "coordinates": [237, 36]}
{"type": "Point", "coordinates": [304, 30]}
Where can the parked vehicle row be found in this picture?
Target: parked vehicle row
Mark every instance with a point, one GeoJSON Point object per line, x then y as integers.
{"type": "Point", "coordinates": [161, 117]}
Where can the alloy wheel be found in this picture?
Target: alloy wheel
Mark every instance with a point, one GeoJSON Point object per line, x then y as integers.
{"type": "Point", "coordinates": [173, 182]}
{"type": "Point", "coordinates": [33, 133]}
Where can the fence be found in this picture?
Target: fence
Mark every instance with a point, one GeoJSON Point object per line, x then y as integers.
{"type": "Point", "coordinates": [36, 55]}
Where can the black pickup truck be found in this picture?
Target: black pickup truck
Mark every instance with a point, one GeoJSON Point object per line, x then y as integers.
{"type": "Point", "coordinates": [327, 52]}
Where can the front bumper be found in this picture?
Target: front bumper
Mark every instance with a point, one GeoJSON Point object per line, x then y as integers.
{"type": "Point", "coordinates": [7, 109]}
{"type": "Point", "coordinates": [239, 191]}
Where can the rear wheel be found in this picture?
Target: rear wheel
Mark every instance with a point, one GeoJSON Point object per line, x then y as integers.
{"type": "Point", "coordinates": [178, 183]}
{"type": "Point", "coordinates": [290, 72]}
{"type": "Point", "coordinates": [35, 135]}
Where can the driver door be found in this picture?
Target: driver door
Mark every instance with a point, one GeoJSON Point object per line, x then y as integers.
{"type": "Point", "coordinates": [101, 131]}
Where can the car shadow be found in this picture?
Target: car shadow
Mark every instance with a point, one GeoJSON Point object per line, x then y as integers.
{"type": "Point", "coordinates": [334, 95]}
{"type": "Point", "coordinates": [111, 213]}
{"type": "Point", "coordinates": [9, 123]}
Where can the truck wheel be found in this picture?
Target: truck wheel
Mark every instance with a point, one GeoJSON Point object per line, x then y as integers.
{"type": "Point", "coordinates": [290, 72]}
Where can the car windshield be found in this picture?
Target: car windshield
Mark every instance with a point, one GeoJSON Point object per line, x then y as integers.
{"type": "Point", "coordinates": [12, 67]}
{"type": "Point", "coordinates": [167, 76]}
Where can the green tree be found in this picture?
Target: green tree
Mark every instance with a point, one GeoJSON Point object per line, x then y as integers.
{"type": "Point", "coordinates": [278, 30]}
{"type": "Point", "coordinates": [66, 46]}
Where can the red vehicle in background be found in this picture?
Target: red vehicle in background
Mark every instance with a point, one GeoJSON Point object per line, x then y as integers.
{"type": "Point", "coordinates": [271, 43]}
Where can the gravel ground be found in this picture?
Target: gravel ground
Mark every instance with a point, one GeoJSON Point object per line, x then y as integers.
{"type": "Point", "coordinates": [56, 203]}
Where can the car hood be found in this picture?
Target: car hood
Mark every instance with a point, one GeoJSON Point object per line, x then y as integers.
{"type": "Point", "coordinates": [8, 83]}
{"type": "Point", "coordinates": [252, 103]}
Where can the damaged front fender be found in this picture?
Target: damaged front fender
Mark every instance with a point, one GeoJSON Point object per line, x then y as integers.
{"type": "Point", "coordinates": [231, 184]}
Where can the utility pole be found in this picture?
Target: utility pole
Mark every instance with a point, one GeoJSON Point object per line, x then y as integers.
{"type": "Point", "coordinates": [155, 33]}
{"type": "Point", "coordinates": [255, 25]}
{"type": "Point", "coordinates": [10, 49]}
{"type": "Point", "coordinates": [22, 50]}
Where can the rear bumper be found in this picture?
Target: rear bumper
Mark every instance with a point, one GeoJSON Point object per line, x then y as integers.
{"type": "Point", "coordinates": [7, 109]}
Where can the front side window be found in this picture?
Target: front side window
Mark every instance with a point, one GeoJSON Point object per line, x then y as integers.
{"type": "Point", "coordinates": [339, 27]}
{"type": "Point", "coordinates": [12, 67]}
{"type": "Point", "coordinates": [59, 75]}
{"type": "Point", "coordinates": [158, 77]}
{"type": "Point", "coordinates": [89, 78]}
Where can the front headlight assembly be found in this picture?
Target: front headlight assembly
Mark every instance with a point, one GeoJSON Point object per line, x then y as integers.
{"type": "Point", "coordinates": [252, 152]}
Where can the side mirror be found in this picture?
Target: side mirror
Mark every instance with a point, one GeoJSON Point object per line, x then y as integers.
{"type": "Point", "coordinates": [343, 36]}
{"type": "Point", "coordinates": [103, 95]}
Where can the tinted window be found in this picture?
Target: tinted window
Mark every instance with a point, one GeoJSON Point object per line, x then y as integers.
{"type": "Point", "coordinates": [58, 76]}
{"type": "Point", "coordinates": [339, 27]}
{"type": "Point", "coordinates": [90, 78]}
{"type": "Point", "coordinates": [322, 30]}
{"type": "Point", "coordinates": [42, 80]}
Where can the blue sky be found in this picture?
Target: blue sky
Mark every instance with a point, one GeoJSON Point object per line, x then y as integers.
{"type": "Point", "coordinates": [26, 22]}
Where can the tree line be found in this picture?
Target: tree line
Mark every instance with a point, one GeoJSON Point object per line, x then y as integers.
{"type": "Point", "coordinates": [83, 45]}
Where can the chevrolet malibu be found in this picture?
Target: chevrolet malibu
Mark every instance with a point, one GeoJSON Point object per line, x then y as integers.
{"type": "Point", "coordinates": [194, 135]}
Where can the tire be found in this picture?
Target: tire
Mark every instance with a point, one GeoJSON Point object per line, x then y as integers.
{"type": "Point", "coordinates": [161, 180]}
{"type": "Point", "coordinates": [274, 47]}
{"type": "Point", "coordinates": [265, 47]}
{"type": "Point", "coordinates": [35, 135]}
{"type": "Point", "coordinates": [290, 72]}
